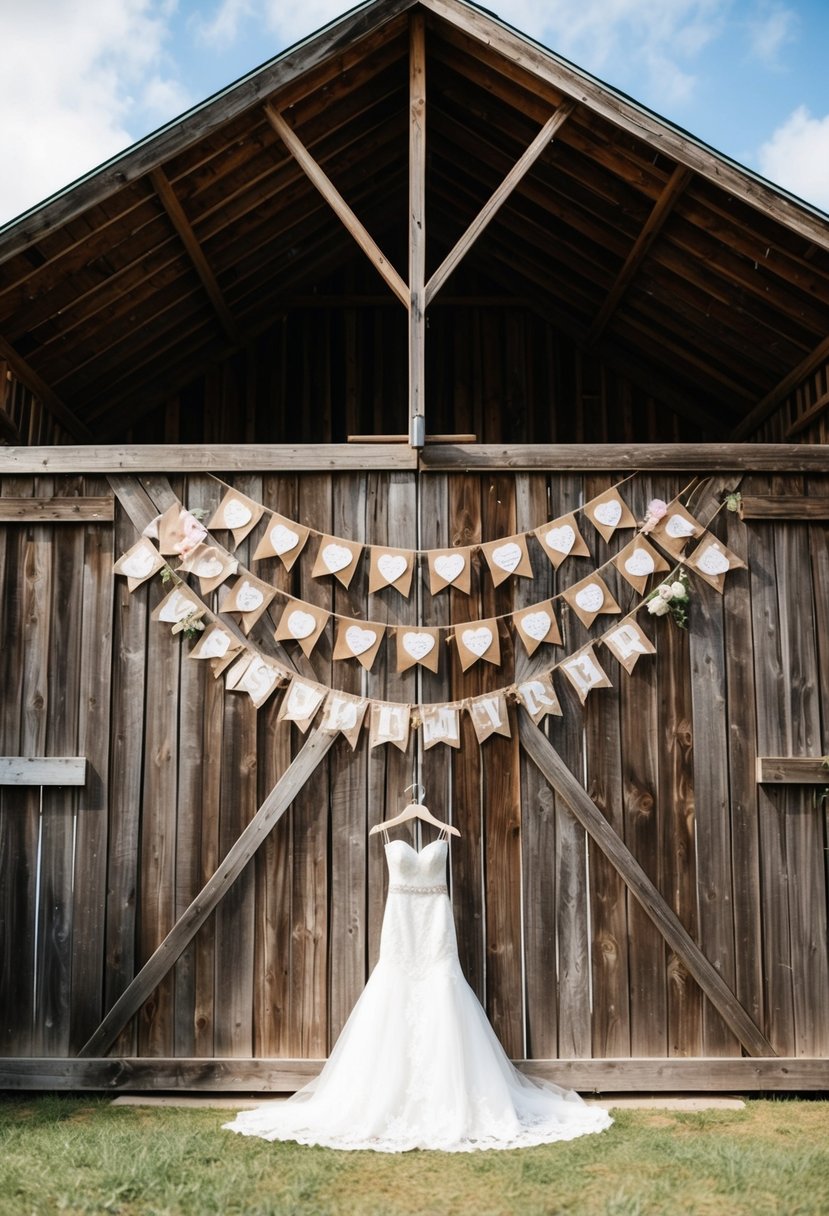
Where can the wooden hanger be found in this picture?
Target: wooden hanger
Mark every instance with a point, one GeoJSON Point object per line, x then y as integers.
{"type": "Point", "coordinates": [415, 810]}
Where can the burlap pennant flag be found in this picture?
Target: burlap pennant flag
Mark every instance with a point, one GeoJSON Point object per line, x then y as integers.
{"type": "Point", "coordinates": [584, 672]}
{"type": "Point", "coordinates": [282, 538]}
{"type": "Point", "coordinates": [179, 531]}
{"type": "Point", "coordinates": [478, 640]}
{"type": "Point", "coordinates": [301, 702]}
{"type": "Point", "coordinates": [538, 697]}
{"type": "Point", "coordinates": [390, 568]}
{"type": "Point", "coordinates": [537, 624]}
{"type": "Point", "coordinates": [712, 560]}
{"type": "Point", "coordinates": [338, 557]}
{"type": "Point", "coordinates": [416, 644]}
{"type": "Point", "coordinates": [589, 597]}
{"type": "Point", "coordinates": [561, 539]}
{"type": "Point", "coordinates": [628, 643]}
{"type": "Point", "coordinates": [450, 568]}
{"type": "Point", "coordinates": [303, 623]}
{"type": "Point", "coordinates": [217, 644]}
{"type": "Point", "coordinates": [389, 723]}
{"type": "Point", "coordinates": [255, 676]}
{"type": "Point", "coordinates": [211, 565]}
{"type": "Point", "coordinates": [441, 724]}
{"type": "Point", "coordinates": [236, 513]}
{"type": "Point", "coordinates": [608, 512]}
{"type": "Point", "coordinates": [675, 529]}
{"type": "Point", "coordinates": [489, 716]}
{"type": "Point", "coordinates": [179, 604]}
{"type": "Point", "coordinates": [507, 557]}
{"type": "Point", "coordinates": [344, 714]}
{"type": "Point", "coordinates": [638, 561]}
{"type": "Point", "coordinates": [249, 597]}
{"type": "Point", "coordinates": [139, 563]}
{"type": "Point", "coordinates": [358, 640]}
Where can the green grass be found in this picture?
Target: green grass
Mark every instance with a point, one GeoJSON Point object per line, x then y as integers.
{"type": "Point", "coordinates": [82, 1155]}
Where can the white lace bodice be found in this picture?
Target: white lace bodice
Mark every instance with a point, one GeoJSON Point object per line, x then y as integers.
{"type": "Point", "coordinates": [418, 930]}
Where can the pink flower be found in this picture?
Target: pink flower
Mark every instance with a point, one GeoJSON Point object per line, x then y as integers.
{"type": "Point", "coordinates": [655, 511]}
{"type": "Point", "coordinates": [193, 533]}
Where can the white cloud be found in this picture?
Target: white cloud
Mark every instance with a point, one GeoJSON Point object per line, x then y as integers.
{"type": "Point", "coordinates": [74, 72]}
{"type": "Point", "coordinates": [797, 157]}
{"type": "Point", "coordinates": [773, 28]}
{"type": "Point", "coordinates": [223, 27]}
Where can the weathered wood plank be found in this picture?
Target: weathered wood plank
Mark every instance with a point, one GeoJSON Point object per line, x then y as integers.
{"type": "Point", "coordinates": [156, 967]}
{"type": "Point", "coordinates": [709, 979]}
{"type": "Point", "coordinates": [792, 770]}
{"type": "Point", "coordinates": [207, 458]}
{"type": "Point", "coordinates": [266, 1075]}
{"type": "Point", "coordinates": [745, 457]}
{"type": "Point", "coordinates": [784, 506]}
{"type": "Point", "coordinates": [42, 770]}
{"type": "Point", "coordinates": [57, 510]}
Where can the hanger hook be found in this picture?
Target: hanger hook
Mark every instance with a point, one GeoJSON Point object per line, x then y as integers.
{"type": "Point", "coordinates": [422, 789]}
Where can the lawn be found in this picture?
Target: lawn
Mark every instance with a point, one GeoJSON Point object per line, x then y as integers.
{"type": "Point", "coordinates": [82, 1155]}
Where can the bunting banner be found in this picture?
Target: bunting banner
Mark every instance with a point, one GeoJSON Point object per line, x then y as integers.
{"type": "Point", "coordinates": [638, 561]}
{"type": "Point", "coordinates": [441, 724]}
{"type": "Point", "coordinates": [584, 672]}
{"type": "Point", "coordinates": [537, 624]}
{"type": "Point", "coordinates": [608, 512]}
{"type": "Point", "coordinates": [478, 640]}
{"type": "Point", "coordinates": [417, 645]}
{"type": "Point", "coordinates": [344, 714]}
{"type": "Point", "coordinates": [283, 539]}
{"type": "Point", "coordinates": [450, 568]}
{"type": "Point", "coordinates": [390, 722]}
{"type": "Point", "coordinates": [236, 513]}
{"type": "Point", "coordinates": [627, 643]}
{"type": "Point", "coordinates": [303, 623]}
{"type": "Point", "coordinates": [338, 557]}
{"type": "Point", "coordinates": [561, 539]}
{"type": "Point", "coordinates": [390, 568]}
{"type": "Point", "coordinates": [507, 557]}
{"type": "Point", "coordinates": [358, 640]}
{"type": "Point", "coordinates": [489, 716]}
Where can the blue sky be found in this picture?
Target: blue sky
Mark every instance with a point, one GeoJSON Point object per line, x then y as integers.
{"type": "Point", "coordinates": [82, 79]}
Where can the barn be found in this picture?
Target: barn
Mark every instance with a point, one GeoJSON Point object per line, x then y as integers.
{"type": "Point", "coordinates": [417, 289]}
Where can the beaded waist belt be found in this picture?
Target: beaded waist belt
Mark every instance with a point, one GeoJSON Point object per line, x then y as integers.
{"type": "Point", "coordinates": [399, 888]}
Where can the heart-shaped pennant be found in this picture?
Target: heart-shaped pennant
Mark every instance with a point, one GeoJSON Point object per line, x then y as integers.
{"type": "Point", "coordinates": [391, 566]}
{"type": "Point", "coordinates": [507, 556]}
{"type": "Point", "coordinates": [139, 563]}
{"type": "Point", "coordinates": [336, 557]}
{"type": "Point", "coordinates": [283, 539]}
{"type": "Point", "coordinates": [248, 597]}
{"type": "Point", "coordinates": [712, 561]}
{"type": "Point", "coordinates": [418, 645]}
{"type": "Point", "coordinates": [477, 640]}
{"type": "Point", "coordinates": [214, 645]}
{"type": "Point", "coordinates": [637, 562]}
{"type": "Point", "coordinates": [536, 625]}
{"type": "Point", "coordinates": [608, 513]}
{"type": "Point", "coordinates": [449, 570]}
{"type": "Point", "coordinates": [301, 624]}
{"type": "Point", "coordinates": [679, 528]}
{"type": "Point", "coordinates": [359, 640]}
{"type": "Point", "coordinates": [236, 514]}
{"type": "Point", "coordinates": [175, 607]}
{"type": "Point", "coordinates": [640, 563]}
{"type": "Point", "coordinates": [208, 567]}
{"type": "Point", "coordinates": [450, 567]}
{"type": "Point", "coordinates": [560, 539]}
{"type": "Point", "coordinates": [590, 598]}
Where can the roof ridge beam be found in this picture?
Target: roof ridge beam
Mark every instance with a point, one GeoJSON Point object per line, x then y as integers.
{"type": "Point", "coordinates": [499, 196]}
{"type": "Point", "coordinates": [338, 205]}
{"type": "Point", "coordinates": [662, 208]}
{"type": "Point", "coordinates": [175, 212]}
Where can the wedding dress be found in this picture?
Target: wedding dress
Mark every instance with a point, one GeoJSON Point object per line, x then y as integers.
{"type": "Point", "coordinates": [417, 1064]}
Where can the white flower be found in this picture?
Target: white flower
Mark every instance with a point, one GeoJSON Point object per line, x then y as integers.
{"type": "Point", "coordinates": [679, 591]}
{"type": "Point", "coordinates": [665, 590]}
{"type": "Point", "coordinates": [658, 607]}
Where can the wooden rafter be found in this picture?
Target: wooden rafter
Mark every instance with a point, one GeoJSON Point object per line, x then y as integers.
{"type": "Point", "coordinates": [661, 210]}
{"type": "Point", "coordinates": [175, 211]}
{"type": "Point", "coordinates": [338, 204]}
{"type": "Point", "coordinates": [499, 196]}
{"type": "Point", "coordinates": [417, 231]}
{"type": "Point", "coordinates": [764, 408]}
{"type": "Point", "coordinates": [27, 375]}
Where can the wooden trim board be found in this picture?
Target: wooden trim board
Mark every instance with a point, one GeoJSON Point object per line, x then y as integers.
{"type": "Point", "coordinates": [792, 770]}
{"type": "Point", "coordinates": [784, 506]}
{"type": "Point", "coordinates": [42, 770]}
{"type": "Point", "coordinates": [57, 510]}
{"type": "Point", "coordinates": [224, 1075]}
{"type": "Point", "coordinates": [207, 458]}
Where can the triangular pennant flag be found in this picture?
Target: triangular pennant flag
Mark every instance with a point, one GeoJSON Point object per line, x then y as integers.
{"type": "Point", "coordinates": [628, 643]}
{"type": "Point", "coordinates": [478, 640]}
{"type": "Point", "coordinates": [177, 605]}
{"type": "Point", "coordinates": [561, 538]}
{"type": "Point", "coordinates": [236, 513]}
{"type": "Point", "coordinates": [584, 672]}
{"type": "Point", "coordinates": [344, 714]}
{"type": "Point", "coordinates": [506, 557]}
{"type": "Point", "coordinates": [712, 560]}
{"type": "Point", "coordinates": [390, 723]}
{"type": "Point", "coordinates": [282, 538]}
{"type": "Point", "coordinates": [441, 724]}
{"type": "Point", "coordinates": [216, 643]}
{"type": "Point", "coordinates": [450, 568]}
{"type": "Point", "coordinates": [638, 561]}
{"type": "Point", "coordinates": [489, 716]}
{"type": "Point", "coordinates": [338, 557]}
{"type": "Point", "coordinates": [537, 624]}
{"type": "Point", "coordinates": [390, 568]}
{"type": "Point", "coordinates": [179, 531]}
{"type": "Point", "coordinates": [211, 565]}
{"type": "Point", "coordinates": [250, 597]}
{"type": "Point", "coordinates": [676, 527]}
{"type": "Point", "coordinates": [608, 512]}
{"type": "Point", "coordinates": [301, 702]}
{"type": "Point", "coordinates": [416, 644]}
{"type": "Point", "coordinates": [256, 676]}
{"type": "Point", "coordinates": [589, 597]}
{"type": "Point", "coordinates": [139, 563]}
{"type": "Point", "coordinates": [538, 697]}
{"type": "Point", "coordinates": [358, 640]}
{"type": "Point", "coordinates": [303, 623]}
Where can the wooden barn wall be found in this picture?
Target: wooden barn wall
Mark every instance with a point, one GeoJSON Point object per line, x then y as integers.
{"type": "Point", "coordinates": [565, 961]}
{"type": "Point", "coordinates": [803, 417]}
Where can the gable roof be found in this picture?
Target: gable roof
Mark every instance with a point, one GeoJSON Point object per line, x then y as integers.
{"type": "Point", "coordinates": [691, 273]}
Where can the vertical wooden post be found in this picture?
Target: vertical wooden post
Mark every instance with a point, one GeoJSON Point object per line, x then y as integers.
{"type": "Point", "coordinates": [417, 230]}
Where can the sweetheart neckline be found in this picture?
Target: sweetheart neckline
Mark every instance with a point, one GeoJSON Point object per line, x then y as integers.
{"type": "Point", "coordinates": [411, 848]}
